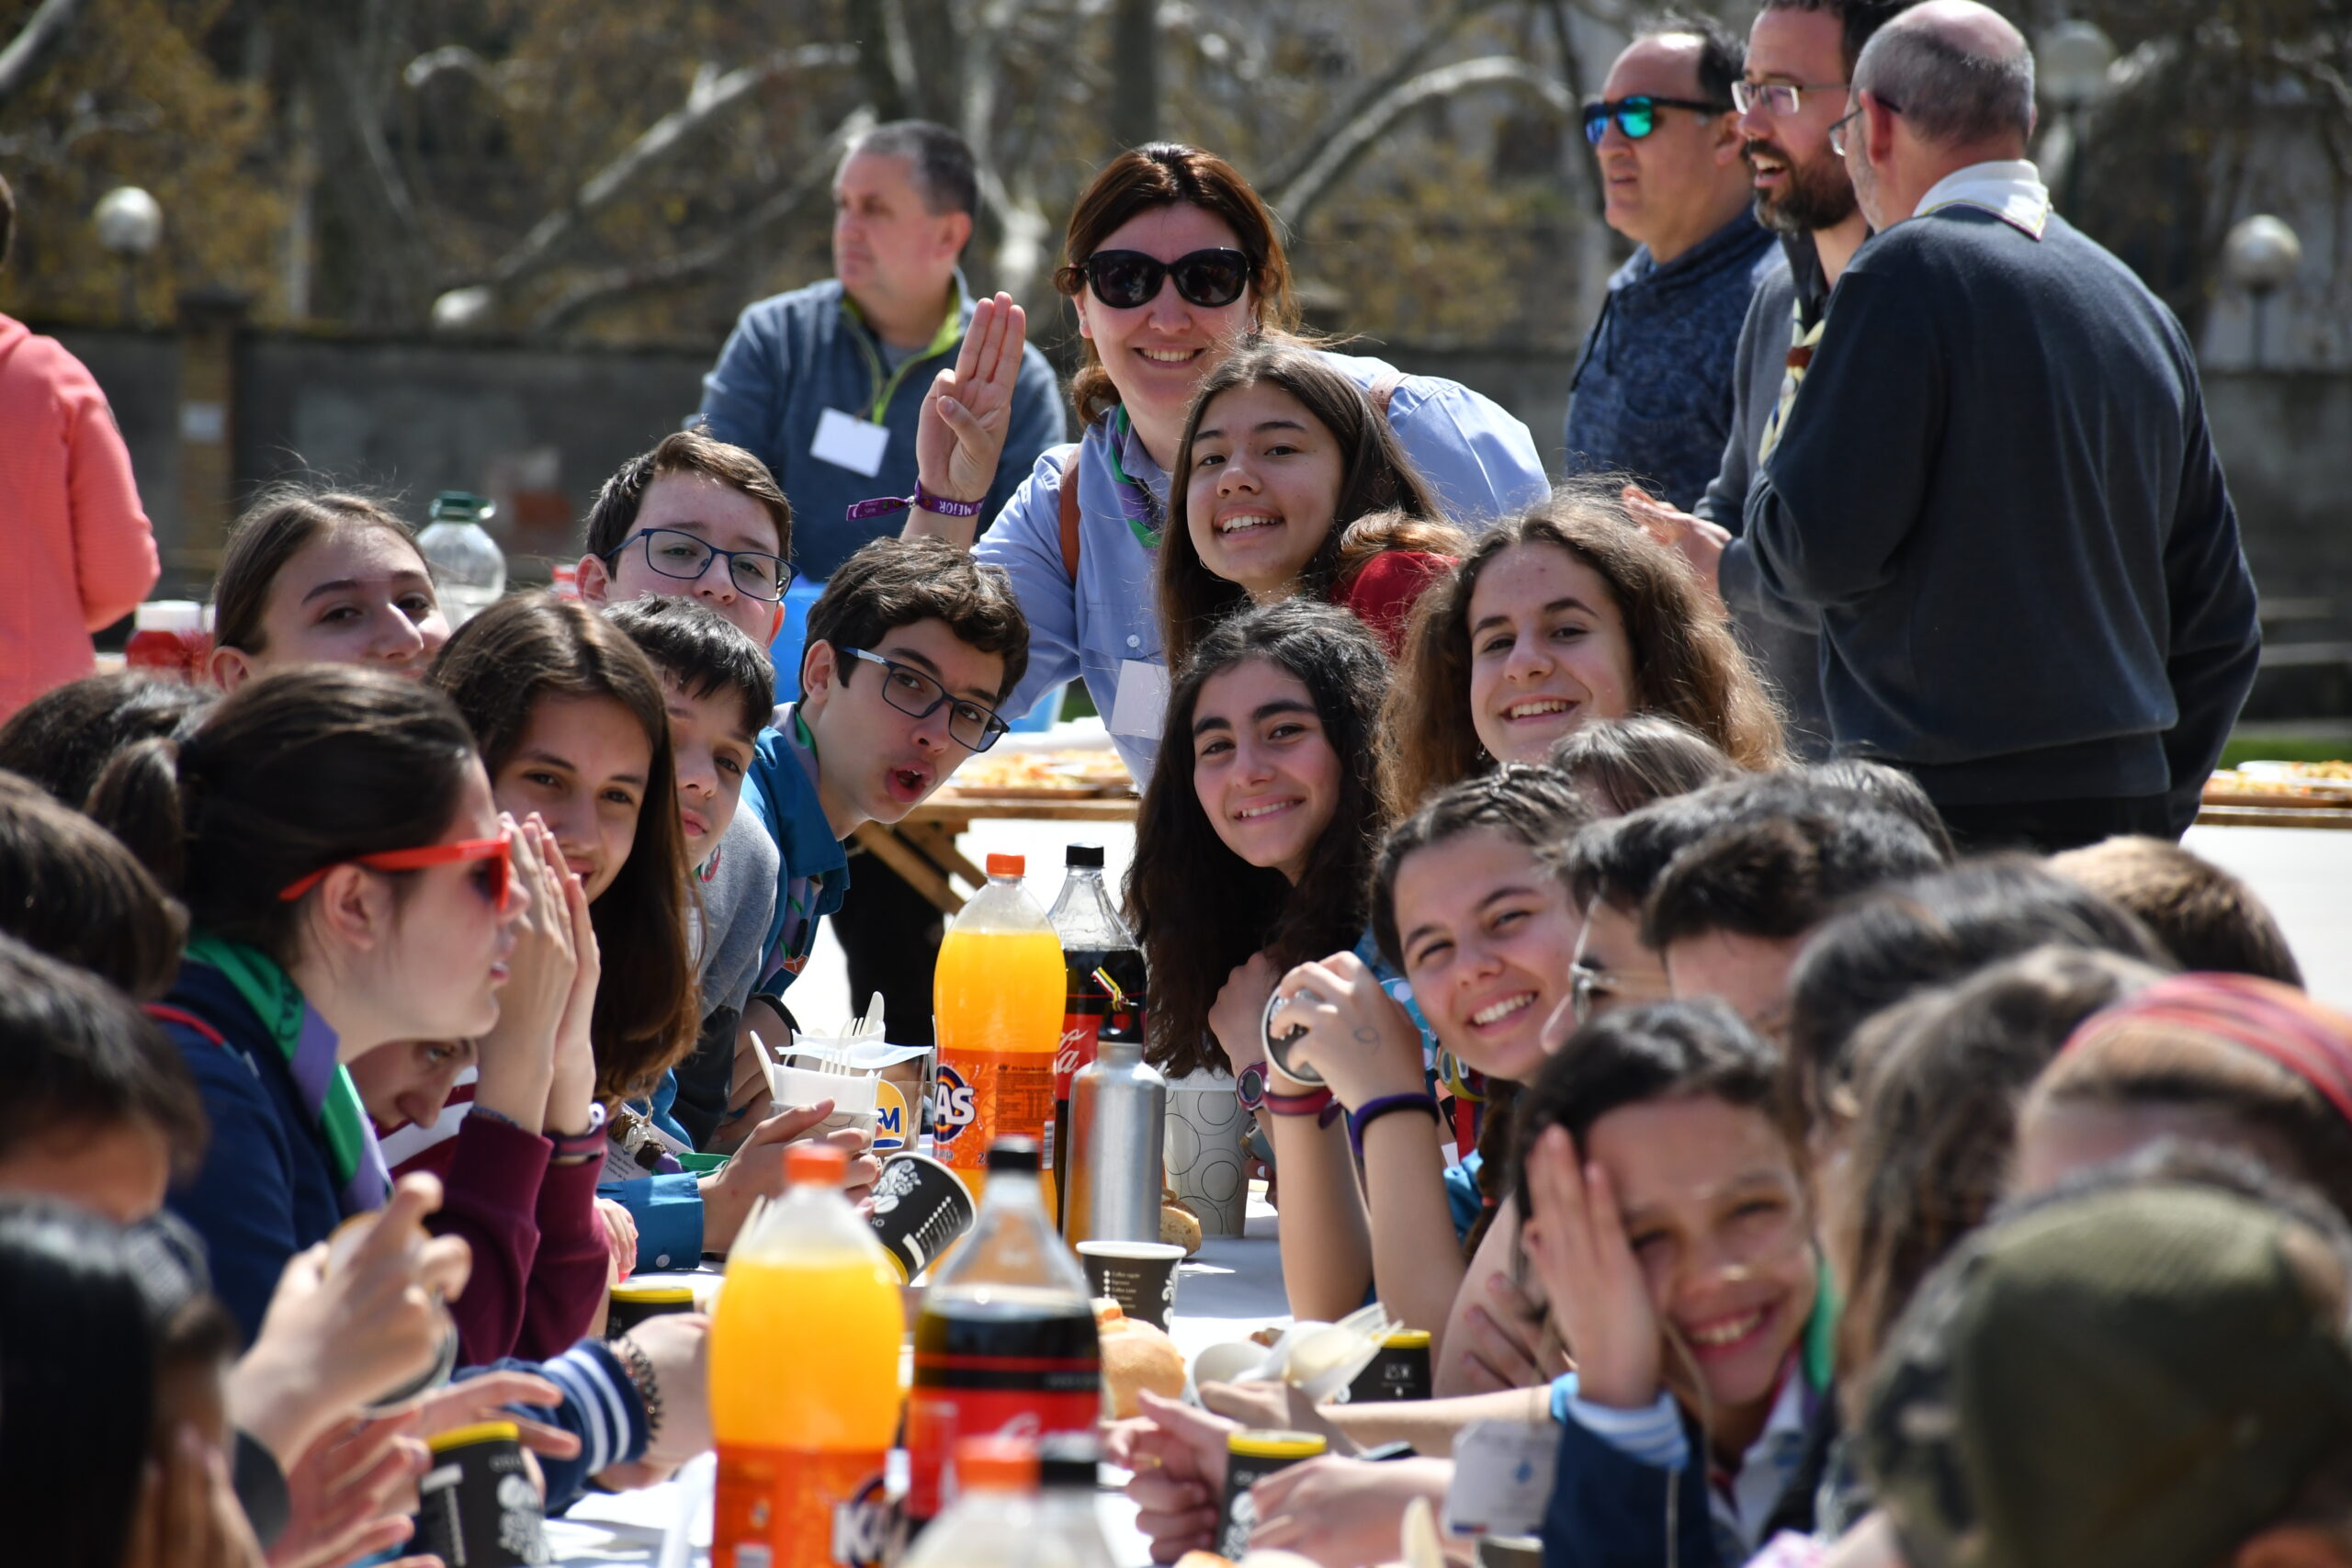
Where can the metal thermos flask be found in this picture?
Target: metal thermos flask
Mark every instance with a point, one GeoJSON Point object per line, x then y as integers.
{"type": "Point", "coordinates": [1118, 1107]}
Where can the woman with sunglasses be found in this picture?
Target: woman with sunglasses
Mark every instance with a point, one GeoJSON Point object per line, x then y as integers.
{"type": "Point", "coordinates": [1170, 262]}
{"type": "Point", "coordinates": [348, 883]}
{"type": "Point", "coordinates": [321, 577]}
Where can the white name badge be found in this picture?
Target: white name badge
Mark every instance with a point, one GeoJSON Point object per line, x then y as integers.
{"type": "Point", "coordinates": [1140, 708]}
{"type": "Point", "coordinates": [847, 442]}
{"type": "Point", "coordinates": [1502, 1478]}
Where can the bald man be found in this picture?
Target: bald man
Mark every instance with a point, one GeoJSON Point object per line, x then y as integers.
{"type": "Point", "coordinates": [1995, 495]}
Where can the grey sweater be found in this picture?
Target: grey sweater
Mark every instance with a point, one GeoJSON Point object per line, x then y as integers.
{"type": "Point", "coordinates": [1788, 657]}
{"type": "Point", "coordinates": [1997, 493]}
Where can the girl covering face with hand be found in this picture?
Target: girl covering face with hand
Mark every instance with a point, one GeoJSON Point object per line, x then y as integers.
{"type": "Point", "coordinates": [323, 578]}
{"type": "Point", "coordinates": [1561, 615]}
{"type": "Point", "coordinates": [1293, 484]}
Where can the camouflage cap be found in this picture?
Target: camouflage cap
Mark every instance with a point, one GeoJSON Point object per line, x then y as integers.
{"type": "Point", "coordinates": [2138, 1377]}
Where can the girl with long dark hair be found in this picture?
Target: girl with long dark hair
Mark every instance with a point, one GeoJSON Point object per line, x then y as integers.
{"type": "Point", "coordinates": [1291, 483]}
{"type": "Point", "coordinates": [322, 577]}
{"type": "Point", "coordinates": [1561, 615]}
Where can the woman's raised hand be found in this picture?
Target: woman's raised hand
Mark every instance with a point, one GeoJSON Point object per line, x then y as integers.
{"type": "Point", "coordinates": [1362, 1042]}
{"type": "Point", "coordinates": [518, 1054]}
{"type": "Point", "coordinates": [960, 434]}
{"type": "Point", "coordinates": [1601, 1299]}
{"type": "Point", "coordinates": [1238, 1015]}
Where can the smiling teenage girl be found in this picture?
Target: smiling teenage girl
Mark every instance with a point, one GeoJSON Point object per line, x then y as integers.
{"type": "Point", "coordinates": [1294, 485]}
{"type": "Point", "coordinates": [322, 578]}
{"type": "Point", "coordinates": [1170, 262]}
{"type": "Point", "coordinates": [347, 883]}
{"type": "Point", "coordinates": [1565, 614]}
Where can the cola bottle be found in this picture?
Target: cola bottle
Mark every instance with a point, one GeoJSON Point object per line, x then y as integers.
{"type": "Point", "coordinates": [1096, 947]}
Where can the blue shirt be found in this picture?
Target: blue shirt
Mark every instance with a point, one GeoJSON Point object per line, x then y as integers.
{"type": "Point", "coordinates": [1479, 460]}
{"type": "Point", "coordinates": [812, 877]}
{"type": "Point", "coordinates": [792, 357]}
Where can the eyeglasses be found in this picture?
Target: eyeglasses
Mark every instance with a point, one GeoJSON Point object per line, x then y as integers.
{"type": "Point", "coordinates": [916, 694]}
{"type": "Point", "coordinates": [1124, 279]}
{"type": "Point", "coordinates": [1838, 131]}
{"type": "Point", "coordinates": [495, 876]}
{"type": "Point", "coordinates": [686, 558]}
{"type": "Point", "coordinates": [1636, 116]}
{"type": "Point", "coordinates": [1781, 99]}
{"type": "Point", "coordinates": [1595, 990]}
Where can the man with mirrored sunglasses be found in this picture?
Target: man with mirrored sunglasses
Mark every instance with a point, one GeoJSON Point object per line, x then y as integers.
{"type": "Point", "coordinates": [826, 384]}
{"type": "Point", "coordinates": [1651, 396]}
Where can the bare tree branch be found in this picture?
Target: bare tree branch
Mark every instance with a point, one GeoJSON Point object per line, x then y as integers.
{"type": "Point", "coordinates": [1337, 152]}
{"type": "Point", "coordinates": [1375, 91]}
{"type": "Point", "coordinates": [30, 49]}
{"type": "Point", "coordinates": [712, 98]}
{"type": "Point", "coordinates": [616, 283]}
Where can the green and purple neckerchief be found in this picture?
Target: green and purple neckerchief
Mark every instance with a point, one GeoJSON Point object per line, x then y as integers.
{"type": "Point", "coordinates": [309, 1045]}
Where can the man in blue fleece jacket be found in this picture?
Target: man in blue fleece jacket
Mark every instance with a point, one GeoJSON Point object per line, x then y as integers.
{"type": "Point", "coordinates": [1996, 495]}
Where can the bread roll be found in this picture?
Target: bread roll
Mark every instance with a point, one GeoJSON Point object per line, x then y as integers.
{"type": "Point", "coordinates": [1180, 1227]}
{"type": "Point", "coordinates": [1135, 1357]}
{"type": "Point", "coordinates": [1203, 1560]}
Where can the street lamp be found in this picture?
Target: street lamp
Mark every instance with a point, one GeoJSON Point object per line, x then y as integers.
{"type": "Point", "coordinates": [2070, 64]}
{"type": "Point", "coordinates": [2261, 254]}
{"type": "Point", "coordinates": [129, 224]}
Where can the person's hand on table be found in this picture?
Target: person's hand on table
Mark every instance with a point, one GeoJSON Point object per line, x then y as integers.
{"type": "Point", "coordinates": [756, 1171]}
{"type": "Point", "coordinates": [1601, 1299]}
{"type": "Point", "coordinates": [1358, 1038]}
{"type": "Point", "coordinates": [353, 1495]}
{"type": "Point", "coordinates": [1699, 542]}
{"type": "Point", "coordinates": [1343, 1512]}
{"type": "Point", "coordinates": [188, 1515]}
{"type": "Point", "coordinates": [1273, 1404]}
{"type": "Point", "coordinates": [1506, 1342]}
{"type": "Point", "coordinates": [333, 1339]}
{"type": "Point", "coordinates": [1238, 1017]}
{"type": "Point", "coordinates": [1175, 1455]}
{"type": "Point", "coordinates": [678, 1346]}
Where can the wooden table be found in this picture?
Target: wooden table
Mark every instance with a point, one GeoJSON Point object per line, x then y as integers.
{"type": "Point", "coordinates": [2288, 813]}
{"type": "Point", "coordinates": [922, 844]}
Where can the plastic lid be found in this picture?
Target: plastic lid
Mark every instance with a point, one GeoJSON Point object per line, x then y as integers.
{"type": "Point", "coordinates": [1407, 1339]}
{"type": "Point", "coordinates": [1083, 855]}
{"type": "Point", "coordinates": [1014, 1154]}
{"type": "Point", "coordinates": [461, 506]}
{"type": "Point", "coordinates": [169, 616]}
{"type": "Point", "coordinates": [1069, 1458]}
{"type": "Point", "coordinates": [1007, 865]}
{"type": "Point", "coordinates": [654, 1296]}
{"type": "Point", "coordinates": [1275, 1444]}
{"type": "Point", "coordinates": [996, 1463]}
{"type": "Point", "coordinates": [814, 1165]}
{"type": "Point", "coordinates": [480, 1432]}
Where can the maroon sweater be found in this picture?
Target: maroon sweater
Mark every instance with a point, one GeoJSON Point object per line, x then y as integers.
{"type": "Point", "coordinates": [540, 1253]}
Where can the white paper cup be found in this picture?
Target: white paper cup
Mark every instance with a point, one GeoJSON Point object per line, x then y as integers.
{"type": "Point", "coordinates": [856, 1101]}
{"type": "Point", "coordinates": [1204, 1128]}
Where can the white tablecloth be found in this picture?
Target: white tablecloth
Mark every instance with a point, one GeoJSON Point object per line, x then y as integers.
{"type": "Point", "coordinates": [1230, 1290]}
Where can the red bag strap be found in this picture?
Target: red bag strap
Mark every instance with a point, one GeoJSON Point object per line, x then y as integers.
{"type": "Point", "coordinates": [164, 1013]}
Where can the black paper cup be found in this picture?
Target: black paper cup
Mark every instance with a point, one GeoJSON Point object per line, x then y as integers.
{"type": "Point", "coordinates": [477, 1504]}
{"type": "Point", "coordinates": [1138, 1275]}
{"type": "Point", "coordinates": [920, 1208]}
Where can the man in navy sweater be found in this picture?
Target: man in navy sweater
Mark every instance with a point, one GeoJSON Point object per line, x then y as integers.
{"type": "Point", "coordinates": [1995, 495]}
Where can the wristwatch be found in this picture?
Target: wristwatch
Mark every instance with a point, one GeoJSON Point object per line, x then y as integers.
{"type": "Point", "coordinates": [1250, 1085]}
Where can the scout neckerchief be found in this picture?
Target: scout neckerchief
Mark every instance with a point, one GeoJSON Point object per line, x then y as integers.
{"type": "Point", "coordinates": [308, 1043]}
{"type": "Point", "coordinates": [1132, 467]}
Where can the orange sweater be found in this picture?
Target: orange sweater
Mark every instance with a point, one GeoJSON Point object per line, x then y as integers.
{"type": "Point", "coordinates": [78, 552]}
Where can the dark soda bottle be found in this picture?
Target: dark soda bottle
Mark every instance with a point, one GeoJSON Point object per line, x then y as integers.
{"type": "Point", "coordinates": [1096, 944]}
{"type": "Point", "coordinates": [1005, 1342]}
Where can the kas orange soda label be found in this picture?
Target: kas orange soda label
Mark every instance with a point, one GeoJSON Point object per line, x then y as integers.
{"type": "Point", "coordinates": [997, 1005]}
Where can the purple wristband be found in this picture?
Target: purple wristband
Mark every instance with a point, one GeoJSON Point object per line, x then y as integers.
{"type": "Point", "coordinates": [1372, 1110]}
{"type": "Point", "coordinates": [921, 500]}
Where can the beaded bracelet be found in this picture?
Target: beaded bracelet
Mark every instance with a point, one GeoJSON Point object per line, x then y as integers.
{"type": "Point", "coordinates": [639, 1367]}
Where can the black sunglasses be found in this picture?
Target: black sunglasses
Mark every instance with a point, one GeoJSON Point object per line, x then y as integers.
{"type": "Point", "coordinates": [1124, 279]}
{"type": "Point", "coordinates": [1637, 116]}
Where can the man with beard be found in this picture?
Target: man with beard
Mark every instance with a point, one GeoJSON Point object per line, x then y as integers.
{"type": "Point", "coordinates": [1996, 491]}
{"type": "Point", "coordinates": [1651, 397]}
{"type": "Point", "coordinates": [1800, 56]}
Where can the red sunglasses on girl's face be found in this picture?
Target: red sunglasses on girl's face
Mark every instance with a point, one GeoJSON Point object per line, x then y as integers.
{"type": "Point", "coordinates": [497, 881]}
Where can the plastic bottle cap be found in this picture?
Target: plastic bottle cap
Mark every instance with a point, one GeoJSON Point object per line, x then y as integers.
{"type": "Point", "coordinates": [814, 1165]}
{"type": "Point", "coordinates": [1007, 865]}
{"type": "Point", "coordinates": [996, 1463]}
{"type": "Point", "coordinates": [1014, 1154]}
{"type": "Point", "coordinates": [1083, 855]}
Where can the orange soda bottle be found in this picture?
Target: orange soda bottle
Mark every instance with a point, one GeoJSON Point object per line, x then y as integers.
{"type": "Point", "coordinates": [997, 1006]}
{"type": "Point", "coordinates": [804, 1384]}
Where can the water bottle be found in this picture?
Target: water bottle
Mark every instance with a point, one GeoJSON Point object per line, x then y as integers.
{"type": "Point", "coordinates": [469, 569]}
{"type": "Point", "coordinates": [1118, 1118]}
{"type": "Point", "coordinates": [1100, 960]}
